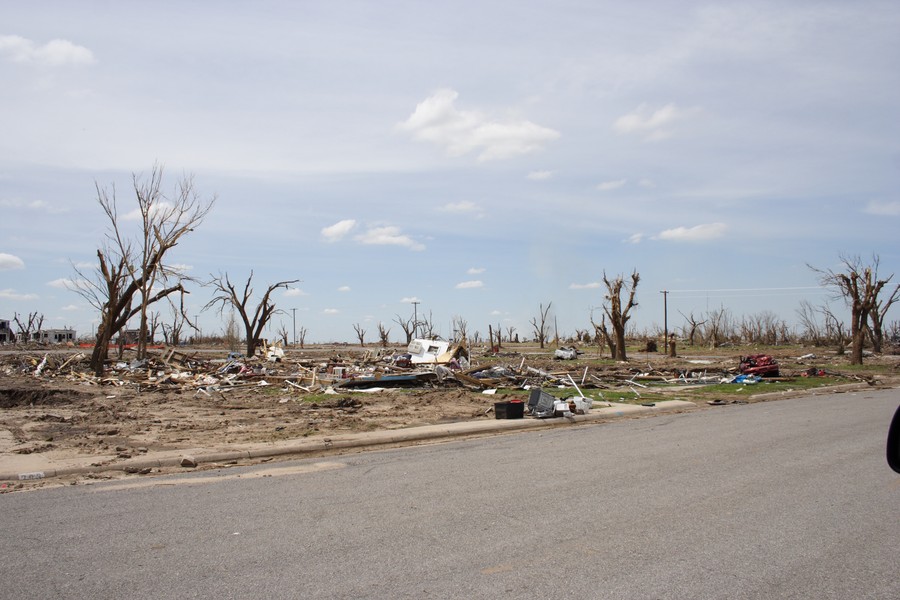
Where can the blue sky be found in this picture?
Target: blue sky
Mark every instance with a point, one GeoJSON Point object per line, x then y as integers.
{"type": "Point", "coordinates": [481, 158]}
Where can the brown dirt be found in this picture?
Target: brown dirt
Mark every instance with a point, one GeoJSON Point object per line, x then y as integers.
{"type": "Point", "coordinates": [66, 412]}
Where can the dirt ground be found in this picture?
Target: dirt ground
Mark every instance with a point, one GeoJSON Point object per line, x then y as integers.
{"type": "Point", "coordinates": [65, 412]}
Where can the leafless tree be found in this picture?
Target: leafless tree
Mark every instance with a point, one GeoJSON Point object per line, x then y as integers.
{"type": "Point", "coordinates": [882, 305]}
{"type": "Point", "coordinates": [254, 318]}
{"type": "Point", "coordinates": [541, 325]}
{"type": "Point", "coordinates": [510, 333]}
{"type": "Point", "coordinates": [811, 328]}
{"type": "Point", "coordinates": [718, 327]}
{"type": "Point", "coordinates": [27, 326]}
{"type": "Point", "coordinates": [408, 326]}
{"type": "Point", "coordinates": [859, 286]}
{"type": "Point", "coordinates": [384, 335]}
{"type": "Point", "coordinates": [132, 273]}
{"type": "Point", "coordinates": [460, 328]}
{"type": "Point", "coordinates": [301, 336]}
{"type": "Point", "coordinates": [284, 334]}
{"type": "Point", "coordinates": [691, 328]}
{"type": "Point", "coordinates": [835, 330]}
{"type": "Point", "coordinates": [360, 334]}
{"type": "Point", "coordinates": [232, 332]}
{"type": "Point", "coordinates": [617, 312]}
{"type": "Point", "coordinates": [427, 326]}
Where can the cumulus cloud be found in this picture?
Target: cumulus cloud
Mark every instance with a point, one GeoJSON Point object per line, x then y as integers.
{"type": "Point", "coordinates": [8, 262]}
{"type": "Point", "coordinates": [55, 53]}
{"type": "Point", "coordinates": [11, 294]}
{"type": "Point", "coordinates": [611, 185]}
{"type": "Point", "coordinates": [388, 236]}
{"type": "Point", "coordinates": [469, 285]}
{"type": "Point", "coordinates": [331, 311]}
{"type": "Point", "coordinates": [883, 208]}
{"type": "Point", "coordinates": [584, 286]}
{"type": "Point", "coordinates": [651, 124]}
{"type": "Point", "coordinates": [409, 300]}
{"type": "Point", "coordinates": [460, 132]}
{"type": "Point", "coordinates": [540, 175]}
{"type": "Point", "coordinates": [344, 288]}
{"type": "Point", "coordinates": [465, 207]}
{"type": "Point", "coordinates": [294, 292]}
{"type": "Point", "coordinates": [636, 238]}
{"type": "Point", "coordinates": [697, 233]}
{"type": "Point", "coordinates": [336, 232]}
{"type": "Point", "coordinates": [71, 307]}
{"type": "Point", "coordinates": [476, 270]}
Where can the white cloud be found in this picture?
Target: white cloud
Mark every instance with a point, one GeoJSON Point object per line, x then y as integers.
{"type": "Point", "coordinates": [63, 283]}
{"type": "Point", "coordinates": [652, 124]}
{"type": "Point", "coordinates": [584, 286]}
{"type": "Point", "coordinates": [10, 294]}
{"type": "Point", "coordinates": [697, 233]}
{"type": "Point", "coordinates": [181, 267]}
{"type": "Point", "coordinates": [611, 185]}
{"type": "Point", "coordinates": [469, 285]}
{"type": "Point", "coordinates": [294, 292]}
{"type": "Point", "coordinates": [636, 238]}
{"type": "Point", "coordinates": [84, 264]}
{"type": "Point", "coordinates": [344, 288]}
{"type": "Point", "coordinates": [331, 311]}
{"type": "Point", "coordinates": [8, 262]}
{"type": "Point", "coordinates": [55, 53]}
{"type": "Point", "coordinates": [336, 232]}
{"type": "Point", "coordinates": [883, 208]}
{"type": "Point", "coordinates": [464, 207]}
{"type": "Point", "coordinates": [495, 313]}
{"type": "Point", "coordinates": [476, 270]}
{"type": "Point", "coordinates": [71, 307]}
{"type": "Point", "coordinates": [388, 236]}
{"type": "Point", "coordinates": [460, 132]}
{"type": "Point", "coordinates": [540, 175]}
{"type": "Point", "coordinates": [647, 183]}
{"type": "Point", "coordinates": [410, 300]}
{"type": "Point", "coordinates": [155, 209]}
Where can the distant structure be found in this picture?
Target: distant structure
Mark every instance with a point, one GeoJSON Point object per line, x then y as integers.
{"type": "Point", "coordinates": [53, 336]}
{"type": "Point", "coordinates": [6, 334]}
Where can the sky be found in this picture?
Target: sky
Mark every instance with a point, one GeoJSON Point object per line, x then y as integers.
{"type": "Point", "coordinates": [481, 159]}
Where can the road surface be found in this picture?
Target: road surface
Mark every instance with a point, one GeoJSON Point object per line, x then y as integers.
{"type": "Point", "coordinates": [786, 499]}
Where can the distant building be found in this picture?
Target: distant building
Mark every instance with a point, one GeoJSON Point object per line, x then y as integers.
{"type": "Point", "coordinates": [6, 334]}
{"type": "Point", "coordinates": [53, 336]}
{"type": "Point", "coordinates": [131, 336]}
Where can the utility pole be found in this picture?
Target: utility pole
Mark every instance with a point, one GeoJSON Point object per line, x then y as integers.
{"type": "Point", "coordinates": [294, 311]}
{"type": "Point", "coordinates": [665, 294]}
{"type": "Point", "coordinates": [415, 304]}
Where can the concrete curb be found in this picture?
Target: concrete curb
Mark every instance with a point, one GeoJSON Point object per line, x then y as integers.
{"type": "Point", "coordinates": [360, 440]}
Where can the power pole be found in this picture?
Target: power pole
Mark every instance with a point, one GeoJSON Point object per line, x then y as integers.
{"type": "Point", "coordinates": [415, 304]}
{"type": "Point", "coordinates": [294, 311]}
{"type": "Point", "coordinates": [665, 294]}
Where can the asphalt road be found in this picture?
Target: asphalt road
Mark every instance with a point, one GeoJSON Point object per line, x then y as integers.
{"type": "Point", "coordinates": [786, 499]}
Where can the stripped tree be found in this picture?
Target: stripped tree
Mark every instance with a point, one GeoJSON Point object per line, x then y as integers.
{"type": "Point", "coordinates": [131, 273]}
{"type": "Point", "coordinates": [617, 313]}
{"type": "Point", "coordinates": [859, 286]}
{"type": "Point", "coordinates": [539, 324]}
{"type": "Point", "coordinates": [255, 317]}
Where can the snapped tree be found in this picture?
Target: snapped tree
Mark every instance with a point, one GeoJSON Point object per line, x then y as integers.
{"type": "Point", "coordinates": [539, 324]}
{"type": "Point", "coordinates": [617, 313]}
{"type": "Point", "coordinates": [254, 317]}
{"type": "Point", "coordinates": [859, 285]}
{"type": "Point", "coordinates": [131, 272]}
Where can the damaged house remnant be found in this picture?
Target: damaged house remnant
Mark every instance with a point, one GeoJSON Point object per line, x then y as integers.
{"type": "Point", "coordinates": [6, 334]}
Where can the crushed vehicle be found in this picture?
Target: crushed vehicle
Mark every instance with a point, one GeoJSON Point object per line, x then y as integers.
{"type": "Point", "coordinates": [759, 364]}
